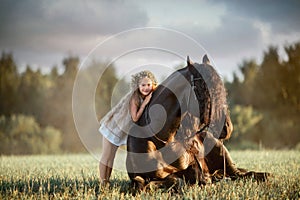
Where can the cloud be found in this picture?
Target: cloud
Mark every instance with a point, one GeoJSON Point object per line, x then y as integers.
{"type": "Point", "coordinates": [229, 30]}
{"type": "Point", "coordinates": [242, 29]}
{"type": "Point", "coordinates": [176, 13]}
{"type": "Point", "coordinates": [282, 16]}
{"type": "Point", "coordinates": [35, 24]}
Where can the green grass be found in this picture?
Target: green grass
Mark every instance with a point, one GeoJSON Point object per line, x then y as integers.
{"type": "Point", "coordinates": [76, 177]}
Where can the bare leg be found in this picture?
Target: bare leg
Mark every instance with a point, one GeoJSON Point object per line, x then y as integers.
{"type": "Point", "coordinates": [107, 160]}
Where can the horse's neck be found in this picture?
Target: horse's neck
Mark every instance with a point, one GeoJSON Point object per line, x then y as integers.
{"type": "Point", "coordinates": [172, 93]}
{"type": "Point", "coordinates": [178, 84]}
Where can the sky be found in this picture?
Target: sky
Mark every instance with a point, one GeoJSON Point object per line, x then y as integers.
{"type": "Point", "coordinates": [135, 33]}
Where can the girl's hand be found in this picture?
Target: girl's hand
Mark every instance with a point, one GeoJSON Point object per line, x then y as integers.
{"type": "Point", "coordinates": [135, 110]}
{"type": "Point", "coordinates": [147, 99]}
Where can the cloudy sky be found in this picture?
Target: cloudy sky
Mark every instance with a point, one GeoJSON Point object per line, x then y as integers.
{"type": "Point", "coordinates": [42, 33]}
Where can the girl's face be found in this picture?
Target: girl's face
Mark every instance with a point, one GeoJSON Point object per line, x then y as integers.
{"type": "Point", "coordinates": [145, 86]}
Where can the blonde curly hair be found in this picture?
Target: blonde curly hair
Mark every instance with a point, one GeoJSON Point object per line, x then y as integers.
{"type": "Point", "coordinates": [136, 78]}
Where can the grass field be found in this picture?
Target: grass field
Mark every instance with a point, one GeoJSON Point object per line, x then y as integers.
{"type": "Point", "coordinates": [76, 177]}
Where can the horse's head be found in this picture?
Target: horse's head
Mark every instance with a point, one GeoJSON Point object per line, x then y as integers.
{"type": "Point", "coordinates": [211, 97]}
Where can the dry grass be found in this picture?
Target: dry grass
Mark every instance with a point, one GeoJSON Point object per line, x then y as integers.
{"type": "Point", "coordinates": [76, 177]}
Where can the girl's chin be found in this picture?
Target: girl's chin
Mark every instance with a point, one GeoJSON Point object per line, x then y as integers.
{"type": "Point", "coordinates": [145, 94]}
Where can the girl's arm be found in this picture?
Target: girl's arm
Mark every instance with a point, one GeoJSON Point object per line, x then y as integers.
{"type": "Point", "coordinates": [137, 111]}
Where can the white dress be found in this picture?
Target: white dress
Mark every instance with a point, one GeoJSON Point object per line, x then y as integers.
{"type": "Point", "coordinates": [114, 126]}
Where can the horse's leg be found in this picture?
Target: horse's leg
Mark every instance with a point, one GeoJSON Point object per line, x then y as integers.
{"type": "Point", "coordinates": [234, 171]}
{"type": "Point", "coordinates": [174, 182]}
{"type": "Point", "coordinates": [145, 167]}
{"type": "Point", "coordinates": [170, 182]}
{"type": "Point", "coordinates": [138, 183]}
{"type": "Point", "coordinates": [199, 165]}
{"type": "Point", "coordinates": [218, 154]}
{"type": "Point", "coordinates": [194, 173]}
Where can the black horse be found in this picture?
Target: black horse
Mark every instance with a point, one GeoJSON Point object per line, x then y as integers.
{"type": "Point", "coordinates": [179, 134]}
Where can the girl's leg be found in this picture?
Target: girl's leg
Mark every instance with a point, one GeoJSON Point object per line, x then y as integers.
{"type": "Point", "coordinates": [107, 160]}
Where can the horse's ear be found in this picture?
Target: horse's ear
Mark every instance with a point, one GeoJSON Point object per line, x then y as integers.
{"type": "Point", "coordinates": [205, 60]}
{"type": "Point", "coordinates": [188, 61]}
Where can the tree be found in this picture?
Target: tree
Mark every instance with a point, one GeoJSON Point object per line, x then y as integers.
{"type": "Point", "coordinates": [60, 105]}
{"type": "Point", "coordinates": [271, 88]}
{"type": "Point", "coordinates": [244, 118]}
{"type": "Point", "coordinates": [33, 93]}
{"type": "Point", "coordinates": [290, 80]}
{"type": "Point", "coordinates": [242, 91]}
{"type": "Point", "coordinates": [20, 134]}
{"type": "Point", "coordinates": [267, 84]}
{"type": "Point", "coordinates": [9, 82]}
{"type": "Point", "coordinates": [47, 100]}
{"type": "Point", "coordinates": [105, 89]}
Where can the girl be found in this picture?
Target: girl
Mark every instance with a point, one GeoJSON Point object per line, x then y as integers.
{"type": "Point", "coordinates": [115, 125]}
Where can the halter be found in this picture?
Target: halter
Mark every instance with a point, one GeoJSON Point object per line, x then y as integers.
{"type": "Point", "coordinates": [193, 86]}
{"type": "Point", "coordinates": [193, 80]}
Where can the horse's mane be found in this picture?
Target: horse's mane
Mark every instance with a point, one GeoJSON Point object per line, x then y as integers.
{"type": "Point", "coordinates": [212, 93]}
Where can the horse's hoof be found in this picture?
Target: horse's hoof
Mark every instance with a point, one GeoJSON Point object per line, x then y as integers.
{"type": "Point", "coordinates": [262, 176]}
{"type": "Point", "coordinates": [139, 183]}
{"type": "Point", "coordinates": [258, 176]}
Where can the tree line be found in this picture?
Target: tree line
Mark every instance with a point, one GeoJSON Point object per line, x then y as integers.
{"type": "Point", "coordinates": [36, 108]}
{"type": "Point", "coordinates": [265, 100]}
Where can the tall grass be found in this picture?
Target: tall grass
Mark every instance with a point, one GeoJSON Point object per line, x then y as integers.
{"type": "Point", "coordinates": [76, 177]}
